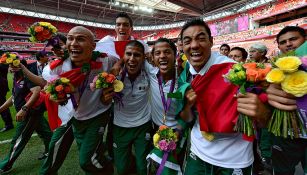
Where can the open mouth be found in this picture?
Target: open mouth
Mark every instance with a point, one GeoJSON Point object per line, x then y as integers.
{"type": "Point", "coordinates": [132, 66]}
{"type": "Point", "coordinates": [196, 56]}
{"type": "Point", "coordinates": [75, 52]}
{"type": "Point", "coordinates": [163, 64]}
{"type": "Point", "coordinates": [122, 33]}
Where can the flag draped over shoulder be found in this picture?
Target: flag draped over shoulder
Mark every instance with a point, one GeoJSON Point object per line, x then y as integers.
{"type": "Point", "coordinates": [215, 103]}
{"type": "Point", "coordinates": [76, 77]}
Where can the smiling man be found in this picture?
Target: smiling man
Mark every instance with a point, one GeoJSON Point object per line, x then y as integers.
{"type": "Point", "coordinates": [132, 125]}
{"type": "Point", "coordinates": [114, 45]}
{"type": "Point", "coordinates": [84, 109]}
{"type": "Point", "coordinates": [287, 152]}
{"type": "Point", "coordinates": [216, 108]}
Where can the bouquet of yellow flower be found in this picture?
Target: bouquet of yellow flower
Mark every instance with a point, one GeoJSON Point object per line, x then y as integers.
{"type": "Point", "coordinates": [249, 77]}
{"type": "Point", "coordinates": [293, 81]}
{"type": "Point", "coordinates": [10, 58]}
{"type": "Point", "coordinates": [41, 31]}
{"type": "Point", "coordinates": [105, 80]}
{"type": "Point", "coordinates": [161, 159]}
{"type": "Point", "coordinates": [60, 89]}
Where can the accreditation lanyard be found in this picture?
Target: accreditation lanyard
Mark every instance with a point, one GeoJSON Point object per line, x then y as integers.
{"type": "Point", "coordinates": [166, 102]}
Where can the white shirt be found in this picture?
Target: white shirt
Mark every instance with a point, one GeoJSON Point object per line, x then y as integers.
{"type": "Point", "coordinates": [136, 109]}
{"type": "Point", "coordinates": [157, 109]}
{"type": "Point", "coordinates": [227, 150]}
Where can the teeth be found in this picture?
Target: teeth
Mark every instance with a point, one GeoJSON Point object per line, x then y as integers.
{"type": "Point", "coordinates": [195, 54]}
{"type": "Point", "coordinates": [163, 62]}
{"type": "Point", "coordinates": [122, 33]}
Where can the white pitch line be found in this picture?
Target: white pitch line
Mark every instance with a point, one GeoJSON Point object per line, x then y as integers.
{"type": "Point", "coordinates": [9, 140]}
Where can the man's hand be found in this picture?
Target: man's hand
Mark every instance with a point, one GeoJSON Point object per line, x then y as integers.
{"type": "Point", "coordinates": [20, 116]}
{"type": "Point", "coordinates": [190, 96]}
{"type": "Point", "coordinates": [14, 69]}
{"type": "Point", "coordinates": [280, 99]}
{"type": "Point", "coordinates": [62, 101]}
{"type": "Point", "coordinates": [251, 106]}
{"type": "Point", "coordinates": [117, 67]}
{"type": "Point", "coordinates": [186, 114]}
{"type": "Point", "coordinates": [107, 95]}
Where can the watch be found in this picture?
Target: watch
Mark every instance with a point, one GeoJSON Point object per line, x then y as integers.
{"type": "Point", "coordinates": [25, 108]}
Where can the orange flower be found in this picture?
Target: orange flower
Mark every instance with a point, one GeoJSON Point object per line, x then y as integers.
{"type": "Point", "coordinates": [67, 89]}
{"type": "Point", "coordinates": [110, 78]}
{"type": "Point", "coordinates": [4, 56]}
{"type": "Point", "coordinates": [59, 88]}
{"type": "Point", "coordinates": [39, 37]}
{"type": "Point", "coordinates": [38, 29]}
{"type": "Point", "coordinates": [3, 60]}
{"type": "Point", "coordinates": [251, 65]}
{"type": "Point", "coordinates": [104, 74]}
{"type": "Point", "coordinates": [162, 127]}
{"type": "Point", "coordinates": [252, 75]}
{"type": "Point", "coordinates": [46, 33]}
{"type": "Point", "coordinates": [263, 72]}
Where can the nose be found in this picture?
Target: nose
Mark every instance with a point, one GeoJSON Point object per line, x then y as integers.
{"type": "Point", "coordinates": [194, 44]}
{"type": "Point", "coordinates": [289, 43]}
{"type": "Point", "coordinates": [73, 42]}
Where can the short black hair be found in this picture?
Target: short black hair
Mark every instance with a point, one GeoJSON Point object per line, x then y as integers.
{"type": "Point", "coordinates": [287, 29]}
{"type": "Point", "coordinates": [40, 54]}
{"type": "Point", "coordinates": [225, 45]}
{"type": "Point", "coordinates": [165, 40]}
{"type": "Point", "coordinates": [242, 50]}
{"type": "Point", "coordinates": [61, 37]}
{"type": "Point", "coordinates": [196, 22]}
{"type": "Point", "coordinates": [136, 43]}
{"type": "Point", "coordinates": [124, 15]}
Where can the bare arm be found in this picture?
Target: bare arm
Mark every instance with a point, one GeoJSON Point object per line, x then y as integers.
{"type": "Point", "coordinates": [32, 77]}
{"type": "Point", "coordinates": [21, 114]}
{"type": "Point", "coordinates": [7, 104]}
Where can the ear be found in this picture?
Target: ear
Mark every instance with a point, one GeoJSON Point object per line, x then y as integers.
{"type": "Point", "coordinates": [211, 41]}
{"type": "Point", "coordinates": [94, 45]}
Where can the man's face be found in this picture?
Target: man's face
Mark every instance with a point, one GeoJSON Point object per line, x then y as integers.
{"type": "Point", "coordinates": [44, 59]}
{"type": "Point", "coordinates": [224, 51]}
{"type": "Point", "coordinates": [123, 29]}
{"type": "Point", "coordinates": [290, 41]}
{"type": "Point", "coordinates": [236, 55]}
{"type": "Point", "coordinates": [179, 46]}
{"type": "Point", "coordinates": [80, 45]}
{"type": "Point", "coordinates": [59, 52]}
{"type": "Point", "coordinates": [134, 59]}
{"type": "Point", "coordinates": [164, 57]}
{"type": "Point", "coordinates": [255, 54]}
{"type": "Point", "coordinates": [197, 46]}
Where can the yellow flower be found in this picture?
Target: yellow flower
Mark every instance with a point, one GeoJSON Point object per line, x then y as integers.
{"type": "Point", "coordinates": [288, 64]}
{"type": "Point", "coordinates": [64, 80]}
{"type": "Point", "coordinates": [275, 76]}
{"type": "Point", "coordinates": [9, 60]}
{"type": "Point", "coordinates": [16, 63]}
{"type": "Point", "coordinates": [295, 83]}
{"type": "Point", "coordinates": [156, 139]}
{"type": "Point", "coordinates": [45, 24]}
{"type": "Point", "coordinates": [13, 56]}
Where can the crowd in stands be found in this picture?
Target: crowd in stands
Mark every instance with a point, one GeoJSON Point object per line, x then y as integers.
{"type": "Point", "coordinates": [277, 7]}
